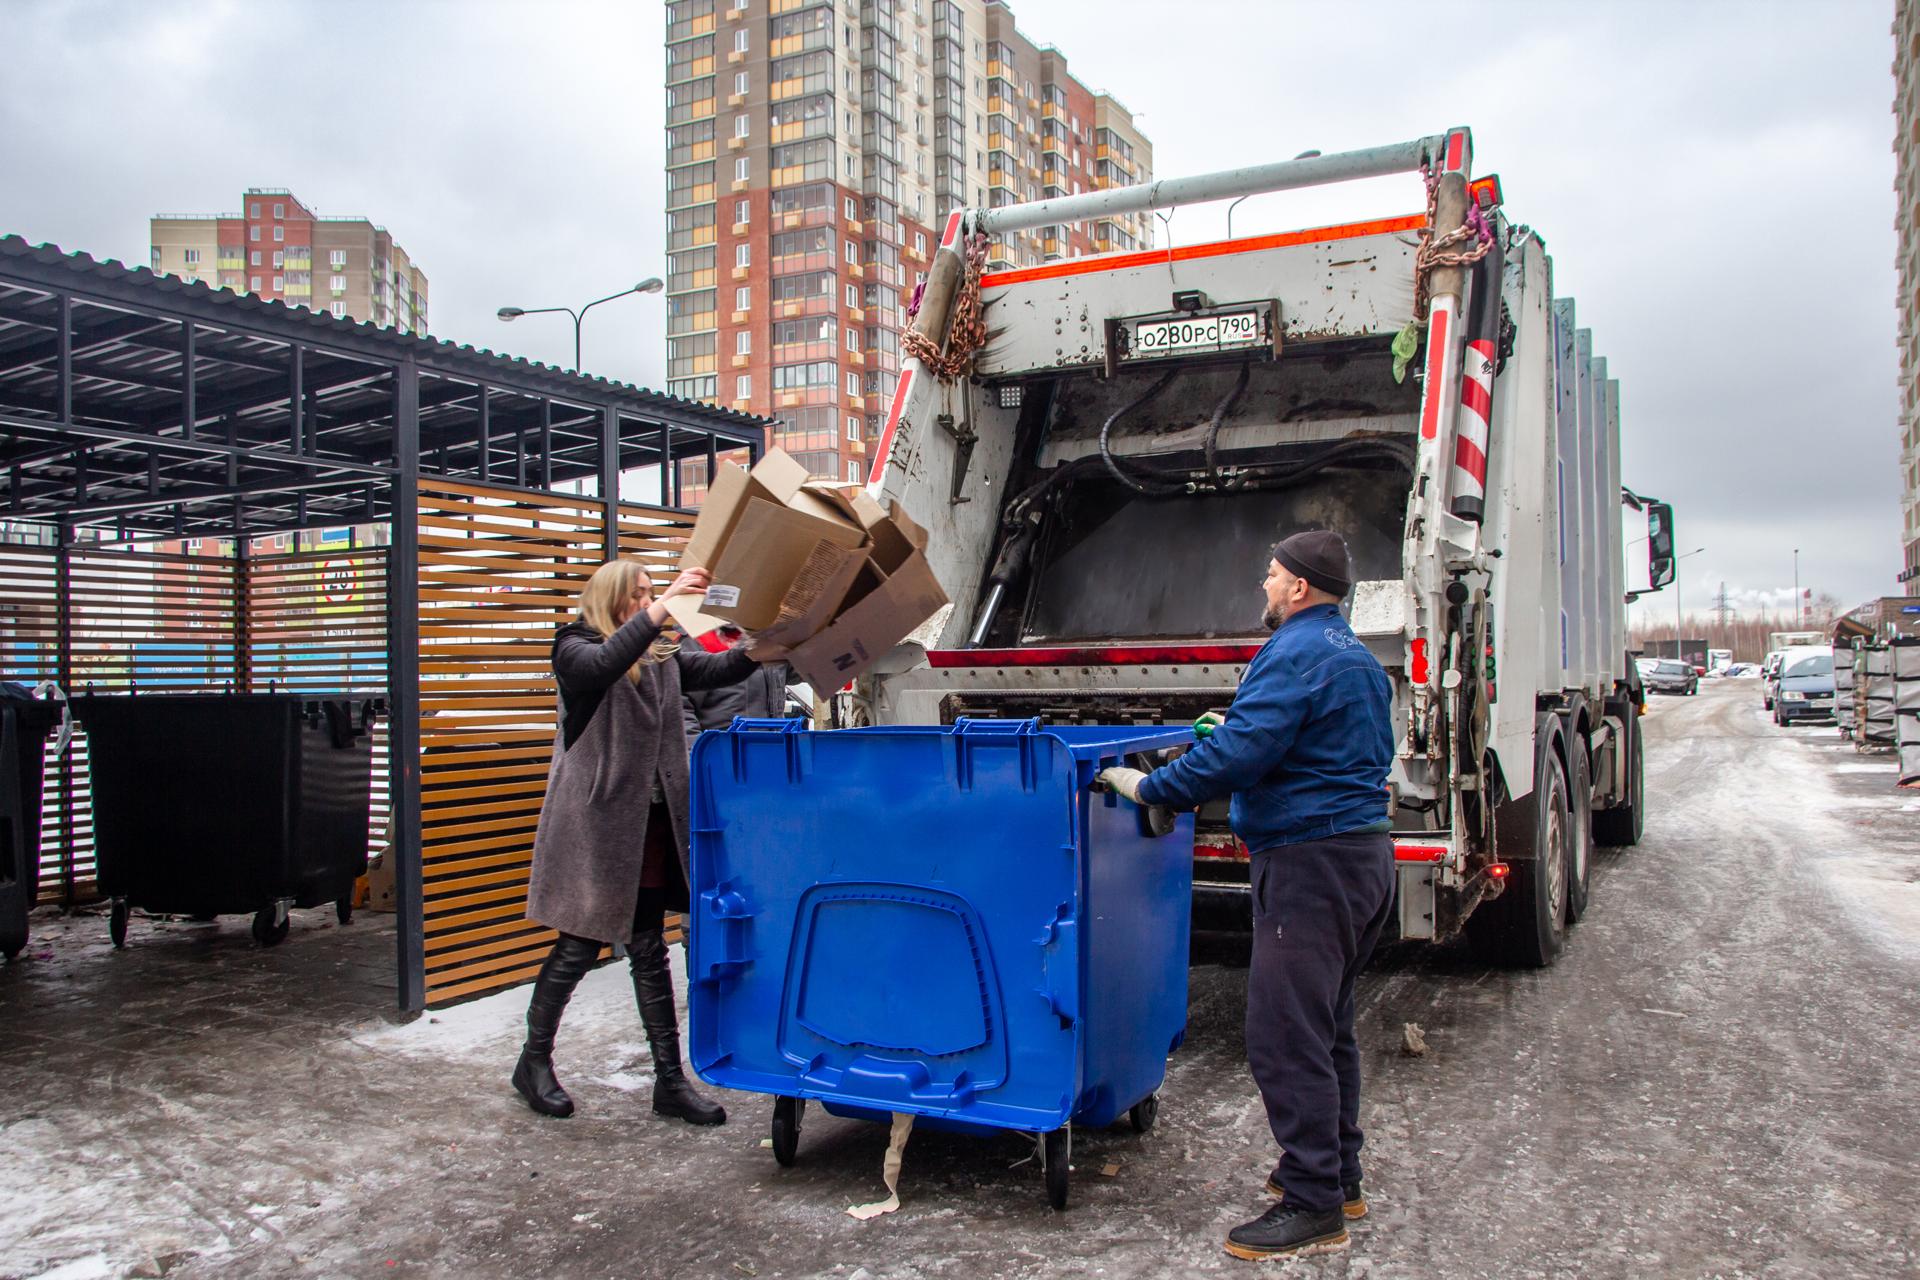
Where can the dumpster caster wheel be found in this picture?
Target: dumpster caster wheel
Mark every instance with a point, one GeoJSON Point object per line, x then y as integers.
{"type": "Point", "coordinates": [1144, 1113]}
{"type": "Point", "coordinates": [12, 949]}
{"type": "Point", "coordinates": [1058, 1154]}
{"type": "Point", "coordinates": [786, 1129]}
{"type": "Point", "coordinates": [266, 931]}
{"type": "Point", "coordinates": [344, 910]}
{"type": "Point", "coordinates": [117, 923]}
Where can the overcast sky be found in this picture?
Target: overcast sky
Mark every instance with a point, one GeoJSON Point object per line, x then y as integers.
{"type": "Point", "coordinates": [1713, 180]}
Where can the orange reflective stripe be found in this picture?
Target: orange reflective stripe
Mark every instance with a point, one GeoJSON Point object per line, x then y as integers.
{"type": "Point", "coordinates": [1219, 248]}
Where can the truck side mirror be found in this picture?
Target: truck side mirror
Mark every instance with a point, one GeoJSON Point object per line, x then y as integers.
{"type": "Point", "coordinates": [1659, 545]}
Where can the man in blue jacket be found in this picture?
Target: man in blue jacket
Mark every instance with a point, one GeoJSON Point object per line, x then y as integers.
{"type": "Point", "coordinates": [1304, 751]}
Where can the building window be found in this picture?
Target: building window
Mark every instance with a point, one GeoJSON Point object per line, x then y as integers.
{"type": "Point", "coordinates": [853, 384]}
{"type": "Point", "coordinates": [853, 471]}
{"type": "Point", "coordinates": [253, 233]}
{"type": "Point", "coordinates": [192, 257]}
{"type": "Point", "coordinates": [740, 40]}
{"type": "Point", "coordinates": [852, 253]}
{"type": "Point", "coordinates": [279, 259]}
{"type": "Point", "coordinates": [743, 386]}
{"type": "Point", "coordinates": [743, 297]}
{"type": "Point", "coordinates": [741, 123]}
{"type": "Point", "coordinates": [743, 343]}
{"type": "Point", "coordinates": [920, 243]}
{"type": "Point", "coordinates": [256, 284]}
{"type": "Point", "coordinates": [279, 211]}
{"type": "Point", "coordinates": [339, 311]}
{"type": "Point", "coordinates": [853, 295]}
{"type": "Point", "coordinates": [742, 255]}
{"type": "Point", "coordinates": [853, 339]}
{"type": "Point", "coordinates": [279, 235]}
{"type": "Point", "coordinates": [337, 259]}
{"type": "Point", "coordinates": [853, 210]}
{"type": "Point", "coordinates": [740, 171]}
{"type": "Point", "coordinates": [853, 428]}
{"type": "Point", "coordinates": [279, 284]}
{"type": "Point", "coordinates": [740, 210]}
{"type": "Point", "coordinates": [253, 210]}
{"type": "Point", "coordinates": [740, 83]}
{"type": "Point", "coordinates": [254, 258]}
{"type": "Point", "coordinates": [338, 284]}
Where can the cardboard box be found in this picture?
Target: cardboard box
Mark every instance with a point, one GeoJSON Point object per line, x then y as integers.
{"type": "Point", "coordinates": [818, 573]}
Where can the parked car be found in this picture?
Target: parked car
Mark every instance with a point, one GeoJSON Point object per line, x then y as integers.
{"type": "Point", "coordinates": [1804, 685]}
{"type": "Point", "coordinates": [1670, 675]}
{"type": "Point", "coordinates": [1769, 677]}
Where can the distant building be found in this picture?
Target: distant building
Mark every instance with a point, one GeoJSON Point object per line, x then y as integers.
{"type": "Point", "coordinates": [279, 248]}
{"type": "Point", "coordinates": [814, 151]}
{"type": "Point", "coordinates": [1906, 149]}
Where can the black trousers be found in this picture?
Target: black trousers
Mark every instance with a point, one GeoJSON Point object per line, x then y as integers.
{"type": "Point", "coordinates": [1318, 908]}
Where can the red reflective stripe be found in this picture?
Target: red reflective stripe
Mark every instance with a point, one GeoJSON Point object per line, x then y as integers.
{"type": "Point", "coordinates": [1436, 361]}
{"type": "Point", "coordinates": [1093, 656]}
{"type": "Point", "coordinates": [1469, 458]}
{"type": "Point", "coordinates": [1420, 852]}
{"type": "Point", "coordinates": [893, 420]}
{"type": "Point", "coordinates": [1476, 397]}
{"type": "Point", "coordinates": [952, 233]}
{"type": "Point", "coordinates": [1185, 253]}
{"type": "Point", "coordinates": [1417, 667]}
{"type": "Point", "coordinates": [1456, 145]}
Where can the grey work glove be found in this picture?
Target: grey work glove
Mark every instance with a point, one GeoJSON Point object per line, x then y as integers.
{"type": "Point", "coordinates": [1126, 782]}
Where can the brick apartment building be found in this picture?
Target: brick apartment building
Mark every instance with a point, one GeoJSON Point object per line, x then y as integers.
{"type": "Point", "coordinates": [279, 248]}
{"type": "Point", "coordinates": [814, 148]}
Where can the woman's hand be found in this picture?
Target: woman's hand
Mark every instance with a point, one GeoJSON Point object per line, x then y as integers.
{"type": "Point", "coordinates": [690, 582]}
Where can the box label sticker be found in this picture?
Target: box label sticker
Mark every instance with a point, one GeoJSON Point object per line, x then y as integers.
{"type": "Point", "coordinates": [719, 597]}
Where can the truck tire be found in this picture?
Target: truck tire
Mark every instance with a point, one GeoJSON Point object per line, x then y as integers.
{"type": "Point", "coordinates": [1526, 925]}
{"type": "Point", "coordinates": [1621, 825]}
{"type": "Point", "coordinates": [1580, 829]}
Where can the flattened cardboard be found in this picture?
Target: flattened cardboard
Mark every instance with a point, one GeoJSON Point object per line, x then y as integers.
{"type": "Point", "coordinates": [686, 614]}
{"type": "Point", "coordinates": [765, 551]}
{"type": "Point", "coordinates": [894, 593]}
{"type": "Point", "coordinates": [775, 478]}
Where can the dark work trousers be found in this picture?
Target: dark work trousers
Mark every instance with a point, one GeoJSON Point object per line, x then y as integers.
{"type": "Point", "coordinates": [1318, 908]}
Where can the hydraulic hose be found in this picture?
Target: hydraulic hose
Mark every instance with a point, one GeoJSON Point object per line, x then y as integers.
{"type": "Point", "coordinates": [1106, 430]}
{"type": "Point", "coordinates": [1220, 412]}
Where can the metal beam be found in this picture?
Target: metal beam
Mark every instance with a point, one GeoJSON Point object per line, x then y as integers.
{"type": "Point", "coordinates": [403, 694]}
{"type": "Point", "coordinates": [174, 444]}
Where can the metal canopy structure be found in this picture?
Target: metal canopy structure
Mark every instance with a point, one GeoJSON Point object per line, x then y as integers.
{"type": "Point", "coordinates": [158, 408]}
{"type": "Point", "coordinates": [137, 408]}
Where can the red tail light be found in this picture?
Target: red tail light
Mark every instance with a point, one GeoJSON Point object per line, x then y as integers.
{"type": "Point", "coordinates": [1496, 871]}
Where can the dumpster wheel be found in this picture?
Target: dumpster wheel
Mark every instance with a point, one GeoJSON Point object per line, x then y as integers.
{"type": "Point", "coordinates": [1057, 1153]}
{"type": "Point", "coordinates": [117, 916]}
{"type": "Point", "coordinates": [270, 926]}
{"type": "Point", "coordinates": [786, 1129]}
{"type": "Point", "coordinates": [1144, 1112]}
{"type": "Point", "coordinates": [343, 910]}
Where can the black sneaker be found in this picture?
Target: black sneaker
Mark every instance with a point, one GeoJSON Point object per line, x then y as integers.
{"type": "Point", "coordinates": [1356, 1203]}
{"type": "Point", "coordinates": [1285, 1229]}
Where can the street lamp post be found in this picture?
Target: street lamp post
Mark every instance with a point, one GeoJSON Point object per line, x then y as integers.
{"type": "Point", "coordinates": [652, 284]}
{"type": "Point", "coordinates": [1676, 597]}
{"type": "Point", "coordinates": [1796, 588]}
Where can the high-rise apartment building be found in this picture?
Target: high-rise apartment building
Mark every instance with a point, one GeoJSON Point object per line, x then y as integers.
{"type": "Point", "coordinates": [814, 149]}
{"type": "Point", "coordinates": [278, 248]}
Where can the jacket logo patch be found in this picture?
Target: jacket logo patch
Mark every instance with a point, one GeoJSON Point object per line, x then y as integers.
{"type": "Point", "coordinates": [1340, 639]}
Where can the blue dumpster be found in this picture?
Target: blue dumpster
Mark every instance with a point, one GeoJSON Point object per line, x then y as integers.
{"type": "Point", "coordinates": [944, 920]}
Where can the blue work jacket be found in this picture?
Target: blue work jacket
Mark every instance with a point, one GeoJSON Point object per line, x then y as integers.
{"type": "Point", "coordinates": [1306, 745]}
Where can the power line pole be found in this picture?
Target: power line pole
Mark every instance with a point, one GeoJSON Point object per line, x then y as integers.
{"type": "Point", "coordinates": [1723, 607]}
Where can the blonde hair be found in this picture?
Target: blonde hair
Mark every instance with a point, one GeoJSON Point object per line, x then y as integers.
{"type": "Point", "coordinates": [610, 587]}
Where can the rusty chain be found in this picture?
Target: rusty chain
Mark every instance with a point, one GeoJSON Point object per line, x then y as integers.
{"type": "Point", "coordinates": [1433, 254]}
{"type": "Point", "coordinates": [966, 332]}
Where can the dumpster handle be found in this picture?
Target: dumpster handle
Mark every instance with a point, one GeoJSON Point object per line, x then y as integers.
{"type": "Point", "coordinates": [970, 735]}
{"type": "Point", "coordinates": [779, 724]}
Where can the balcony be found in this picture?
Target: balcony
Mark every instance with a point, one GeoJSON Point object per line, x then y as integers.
{"type": "Point", "coordinates": [740, 317]}
{"type": "Point", "coordinates": [855, 358]}
{"type": "Point", "coordinates": [736, 56]}
{"type": "Point", "coordinates": [736, 143]}
{"type": "Point", "coordinates": [856, 314]}
{"type": "Point", "coordinates": [853, 270]}
{"type": "Point", "coordinates": [742, 361]}
{"type": "Point", "coordinates": [736, 99]}
{"type": "Point", "coordinates": [741, 273]}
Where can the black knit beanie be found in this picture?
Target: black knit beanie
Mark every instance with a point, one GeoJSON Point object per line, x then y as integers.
{"type": "Point", "coordinates": [1318, 556]}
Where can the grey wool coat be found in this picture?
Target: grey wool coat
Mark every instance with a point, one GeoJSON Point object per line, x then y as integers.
{"type": "Point", "coordinates": [617, 739]}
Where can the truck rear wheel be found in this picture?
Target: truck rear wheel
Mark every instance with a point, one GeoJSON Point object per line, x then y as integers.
{"type": "Point", "coordinates": [1579, 829]}
{"type": "Point", "coordinates": [1621, 825]}
{"type": "Point", "coordinates": [1525, 926]}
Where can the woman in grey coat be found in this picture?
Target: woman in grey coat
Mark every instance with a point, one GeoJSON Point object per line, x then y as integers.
{"type": "Point", "coordinates": [610, 853]}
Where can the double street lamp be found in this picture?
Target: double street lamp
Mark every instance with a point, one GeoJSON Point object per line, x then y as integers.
{"type": "Point", "coordinates": [652, 284]}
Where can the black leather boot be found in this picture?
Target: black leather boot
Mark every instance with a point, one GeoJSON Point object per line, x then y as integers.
{"type": "Point", "coordinates": [533, 1076]}
{"type": "Point", "coordinates": [1356, 1201]}
{"type": "Point", "coordinates": [673, 1093]}
{"type": "Point", "coordinates": [1286, 1229]}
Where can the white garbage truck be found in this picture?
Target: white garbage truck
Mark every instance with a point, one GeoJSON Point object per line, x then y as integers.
{"type": "Point", "coordinates": [1103, 450]}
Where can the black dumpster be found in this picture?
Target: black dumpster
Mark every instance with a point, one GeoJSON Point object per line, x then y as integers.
{"type": "Point", "coordinates": [222, 804]}
{"type": "Point", "coordinates": [25, 723]}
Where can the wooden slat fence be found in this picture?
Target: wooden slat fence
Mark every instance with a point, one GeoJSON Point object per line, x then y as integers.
{"type": "Point", "coordinates": [500, 570]}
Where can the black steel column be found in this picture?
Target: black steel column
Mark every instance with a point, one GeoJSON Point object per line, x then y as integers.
{"type": "Point", "coordinates": [610, 476]}
{"type": "Point", "coordinates": [486, 436]}
{"type": "Point", "coordinates": [296, 398]}
{"type": "Point", "coordinates": [666, 464]}
{"type": "Point", "coordinates": [546, 444]}
{"type": "Point", "coordinates": [63, 675]}
{"type": "Point", "coordinates": [403, 691]}
{"type": "Point", "coordinates": [63, 348]}
{"type": "Point", "coordinates": [189, 382]}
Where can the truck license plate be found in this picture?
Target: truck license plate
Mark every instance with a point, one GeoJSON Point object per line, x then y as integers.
{"type": "Point", "coordinates": [1200, 333]}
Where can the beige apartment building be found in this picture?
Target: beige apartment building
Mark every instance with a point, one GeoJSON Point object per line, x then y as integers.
{"type": "Point", "coordinates": [814, 151]}
{"type": "Point", "coordinates": [279, 248]}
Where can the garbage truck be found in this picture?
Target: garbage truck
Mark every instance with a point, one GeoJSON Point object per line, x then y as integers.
{"type": "Point", "coordinates": [1103, 450]}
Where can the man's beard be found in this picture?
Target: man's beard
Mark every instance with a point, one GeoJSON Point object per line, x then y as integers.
{"type": "Point", "coordinates": [1274, 616]}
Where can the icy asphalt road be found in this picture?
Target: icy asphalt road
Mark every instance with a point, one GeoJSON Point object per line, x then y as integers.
{"type": "Point", "coordinates": [1720, 1078]}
